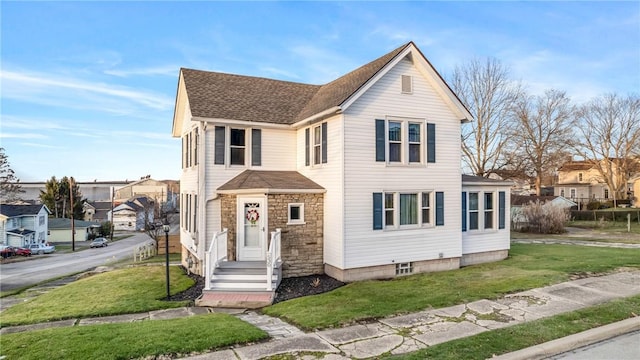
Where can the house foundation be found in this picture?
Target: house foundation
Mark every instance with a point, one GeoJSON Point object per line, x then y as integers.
{"type": "Point", "coordinates": [483, 257]}
{"type": "Point", "coordinates": [391, 270]}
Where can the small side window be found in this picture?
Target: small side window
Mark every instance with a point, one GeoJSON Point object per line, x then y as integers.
{"type": "Point", "coordinates": [296, 214]}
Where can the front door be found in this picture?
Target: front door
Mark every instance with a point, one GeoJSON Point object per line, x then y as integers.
{"type": "Point", "coordinates": [251, 230]}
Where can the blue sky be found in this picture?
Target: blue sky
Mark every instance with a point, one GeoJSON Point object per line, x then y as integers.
{"type": "Point", "coordinates": [88, 88]}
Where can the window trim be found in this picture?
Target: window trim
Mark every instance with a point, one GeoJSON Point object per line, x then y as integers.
{"type": "Point", "coordinates": [476, 211]}
{"type": "Point", "coordinates": [405, 143]}
{"type": "Point", "coordinates": [299, 221]}
{"type": "Point", "coordinates": [396, 210]}
{"type": "Point", "coordinates": [489, 211]}
{"type": "Point", "coordinates": [315, 148]}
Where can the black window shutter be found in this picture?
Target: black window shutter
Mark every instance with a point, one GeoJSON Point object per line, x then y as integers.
{"type": "Point", "coordinates": [377, 211]}
{"type": "Point", "coordinates": [256, 147]}
{"type": "Point", "coordinates": [501, 210]}
{"type": "Point", "coordinates": [219, 145]}
{"type": "Point", "coordinates": [464, 211]}
{"type": "Point", "coordinates": [380, 140]}
{"type": "Point", "coordinates": [431, 143]}
{"type": "Point", "coordinates": [307, 157]}
{"type": "Point", "coordinates": [324, 143]}
{"type": "Point", "coordinates": [439, 208]}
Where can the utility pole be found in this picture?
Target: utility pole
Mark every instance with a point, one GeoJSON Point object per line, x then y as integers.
{"type": "Point", "coordinates": [73, 222]}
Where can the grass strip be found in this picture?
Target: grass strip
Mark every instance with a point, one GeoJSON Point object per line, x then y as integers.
{"type": "Point", "coordinates": [145, 339]}
{"type": "Point", "coordinates": [528, 266]}
{"type": "Point", "coordinates": [513, 338]}
{"type": "Point", "coordinates": [123, 291]}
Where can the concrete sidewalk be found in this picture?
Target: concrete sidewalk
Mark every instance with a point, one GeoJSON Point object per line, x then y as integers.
{"type": "Point", "coordinates": [412, 332]}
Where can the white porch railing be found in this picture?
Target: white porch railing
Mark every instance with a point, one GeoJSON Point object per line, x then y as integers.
{"type": "Point", "coordinates": [273, 256]}
{"type": "Point", "coordinates": [217, 252]}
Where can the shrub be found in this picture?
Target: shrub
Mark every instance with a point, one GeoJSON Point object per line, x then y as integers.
{"type": "Point", "coordinates": [545, 219]}
{"type": "Point", "coordinates": [593, 205]}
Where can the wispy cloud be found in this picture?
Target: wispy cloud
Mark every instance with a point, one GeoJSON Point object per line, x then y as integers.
{"type": "Point", "coordinates": [167, 70]}
{"type": "Point", "coordinates": [7, 135]}
{"type": "Point", "coordinates": [40, 145]}
{"type": "Point", "coordinates": [30, 86]}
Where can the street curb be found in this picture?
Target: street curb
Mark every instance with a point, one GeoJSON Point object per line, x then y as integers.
{"type": "Point", "coordinates": [558, 346]}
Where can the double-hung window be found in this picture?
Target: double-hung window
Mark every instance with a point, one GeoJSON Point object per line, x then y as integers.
{"type": "Point", "coordinates": [237, 146]}
{"type": "Point", "coordinates": [234, 146]}
{"type": "Point", "coordinates": [395, 141]}
{"type": "Point", "coordinates": [479, 210]}
{"type": "Point", "coordinates": [488, 210]}
{"type": "Point", "coordinates": [397, 210]}
{"type": "Point", "coordinates": [316, 145]}
{"type": "Point", "coordinates": [402, 141]}
{"type": "Point", "coordinates": [473, 211]}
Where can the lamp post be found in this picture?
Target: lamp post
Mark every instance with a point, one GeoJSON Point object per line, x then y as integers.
{"type": "Point", "coordinates": [165, 227]}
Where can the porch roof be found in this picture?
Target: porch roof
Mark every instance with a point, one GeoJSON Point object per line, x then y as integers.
{"type": "Point", "coordinates": [271, 182]}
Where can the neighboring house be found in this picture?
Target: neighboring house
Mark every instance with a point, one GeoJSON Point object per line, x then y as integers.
{"type": "Point", "coordinates": [134, 214]}
{"type": "Point", "coordinates": [635, 191]}
{"type": "Point", "coordinates": [159, 191]}
{"type": "Point", "coordinates": [97, 211]}
{"type": "Point", "coordinates": [518, 220]}
{"type": "Point", "coordinates": [24, 225]}
{"type": "Point", "coordinates": [359, 178]}
{"type": "Point", "coordinates": [580, 181]}
{"type": "Point", "coordinates": [60, 229]}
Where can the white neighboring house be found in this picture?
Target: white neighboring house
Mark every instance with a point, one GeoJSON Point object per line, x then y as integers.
{"type": "Point", "coordinates": [359, 178]}
{"type": "Point", "coordinates": [23, 225]}
{"type": "Point", "coordinates": [133, 214]}
{"type": "Point", "coordinates": [518, 220]}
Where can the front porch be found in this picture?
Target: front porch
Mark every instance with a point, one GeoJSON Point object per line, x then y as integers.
{"type": "Point", "coordinates": [240, 284]}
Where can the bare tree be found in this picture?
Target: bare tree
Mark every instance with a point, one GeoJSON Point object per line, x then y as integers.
{"type": "Point", "coordinates": [609, 134]}
{"type": "Point", "coordinates": [487, 91]}
{"type": "Point", "coordinates": [543, 127]}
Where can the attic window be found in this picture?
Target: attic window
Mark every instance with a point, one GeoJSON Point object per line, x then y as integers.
{"type": "Point", "coordinates": [407, 86]}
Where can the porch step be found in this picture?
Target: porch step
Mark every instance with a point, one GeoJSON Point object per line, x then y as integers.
{"type": "Point", "coordinates": [242, 285]}
{"type": "Point", "coordinates": [236, 299]}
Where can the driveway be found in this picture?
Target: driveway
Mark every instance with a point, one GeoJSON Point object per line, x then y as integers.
{"type": "Point", "coordinates": [40, 268]}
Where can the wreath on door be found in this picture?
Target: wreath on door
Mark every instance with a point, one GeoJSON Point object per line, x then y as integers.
{"type": "Point", "coordinates": [253, 216]}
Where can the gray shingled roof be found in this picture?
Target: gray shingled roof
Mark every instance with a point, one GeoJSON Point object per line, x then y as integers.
{"type": "Point", "coordinates": [64, 223]}
{"type": "Point", "coordinates": [237, 97]}
{"type": "Point", "coordinates": [18, 210]}
{"type": "Point", "coordinates": [273, 180]}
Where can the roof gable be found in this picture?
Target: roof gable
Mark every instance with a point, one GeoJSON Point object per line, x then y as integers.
{"type": "Point", "coordinates": [213, 95]}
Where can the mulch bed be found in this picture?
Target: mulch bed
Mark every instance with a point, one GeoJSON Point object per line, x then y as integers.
{"type": "Point", "coordinates": [289, 288]}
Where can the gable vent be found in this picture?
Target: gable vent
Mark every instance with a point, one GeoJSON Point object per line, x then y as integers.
{"type": "Point", "coordinates": [407, 86]}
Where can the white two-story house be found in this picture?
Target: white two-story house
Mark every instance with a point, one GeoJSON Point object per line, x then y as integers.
{"type": "Point", "coordinates": [359, 178]}
{"type": "Point", "coordinates": [23, 225]}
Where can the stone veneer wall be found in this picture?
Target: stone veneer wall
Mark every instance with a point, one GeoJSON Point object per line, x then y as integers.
{"type": "Point", "coordinates": [301, 244]}
{"type": "Point", "coordinates": [228, 220]}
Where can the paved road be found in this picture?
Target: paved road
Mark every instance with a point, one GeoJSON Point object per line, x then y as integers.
{"type": "Point", "coordinates": [621, 347]}
{"type": "Point", "coordinates": [44, 267]}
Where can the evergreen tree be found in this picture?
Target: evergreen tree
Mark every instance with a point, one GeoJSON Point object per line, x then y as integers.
{"type": "Point", "coordinates": [10, 188]}
{"type": "Point", "coordinates": [57, 197]}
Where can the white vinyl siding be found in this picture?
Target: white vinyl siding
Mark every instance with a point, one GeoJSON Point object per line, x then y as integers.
{"type": "Point", "coordinates": [487, 239]}
{"type": "Point", "coordinates": [329, 175]}
{"type": "Point", "coordinates": [364, 176]}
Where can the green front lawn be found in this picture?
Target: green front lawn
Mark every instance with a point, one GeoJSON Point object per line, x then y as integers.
{"type": "Point", "coordinates": [528, 266]}
{"type": "Point", "coordinates": [124, 291]}
{"type": "Point", "coordinates": [145, 339]}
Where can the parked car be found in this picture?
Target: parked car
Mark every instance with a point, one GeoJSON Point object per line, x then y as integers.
{"type": "Point", "coordinates": [7, 251]}
{"type": "Point", "coordinates": [99, 242]}
{"type": "Point", "coordinates": [42, 248]}
{"type": "Point", "coordinates": [23, 251]}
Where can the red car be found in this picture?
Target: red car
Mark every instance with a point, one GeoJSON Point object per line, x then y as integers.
{"type": "Point", "coordinates": [7, 251]}
{"type": "Point", "coordinates": [22, 251]}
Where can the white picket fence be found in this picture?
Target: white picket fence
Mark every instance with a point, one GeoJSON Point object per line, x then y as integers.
{"type": "Point", "coordinates": [144, 251]}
